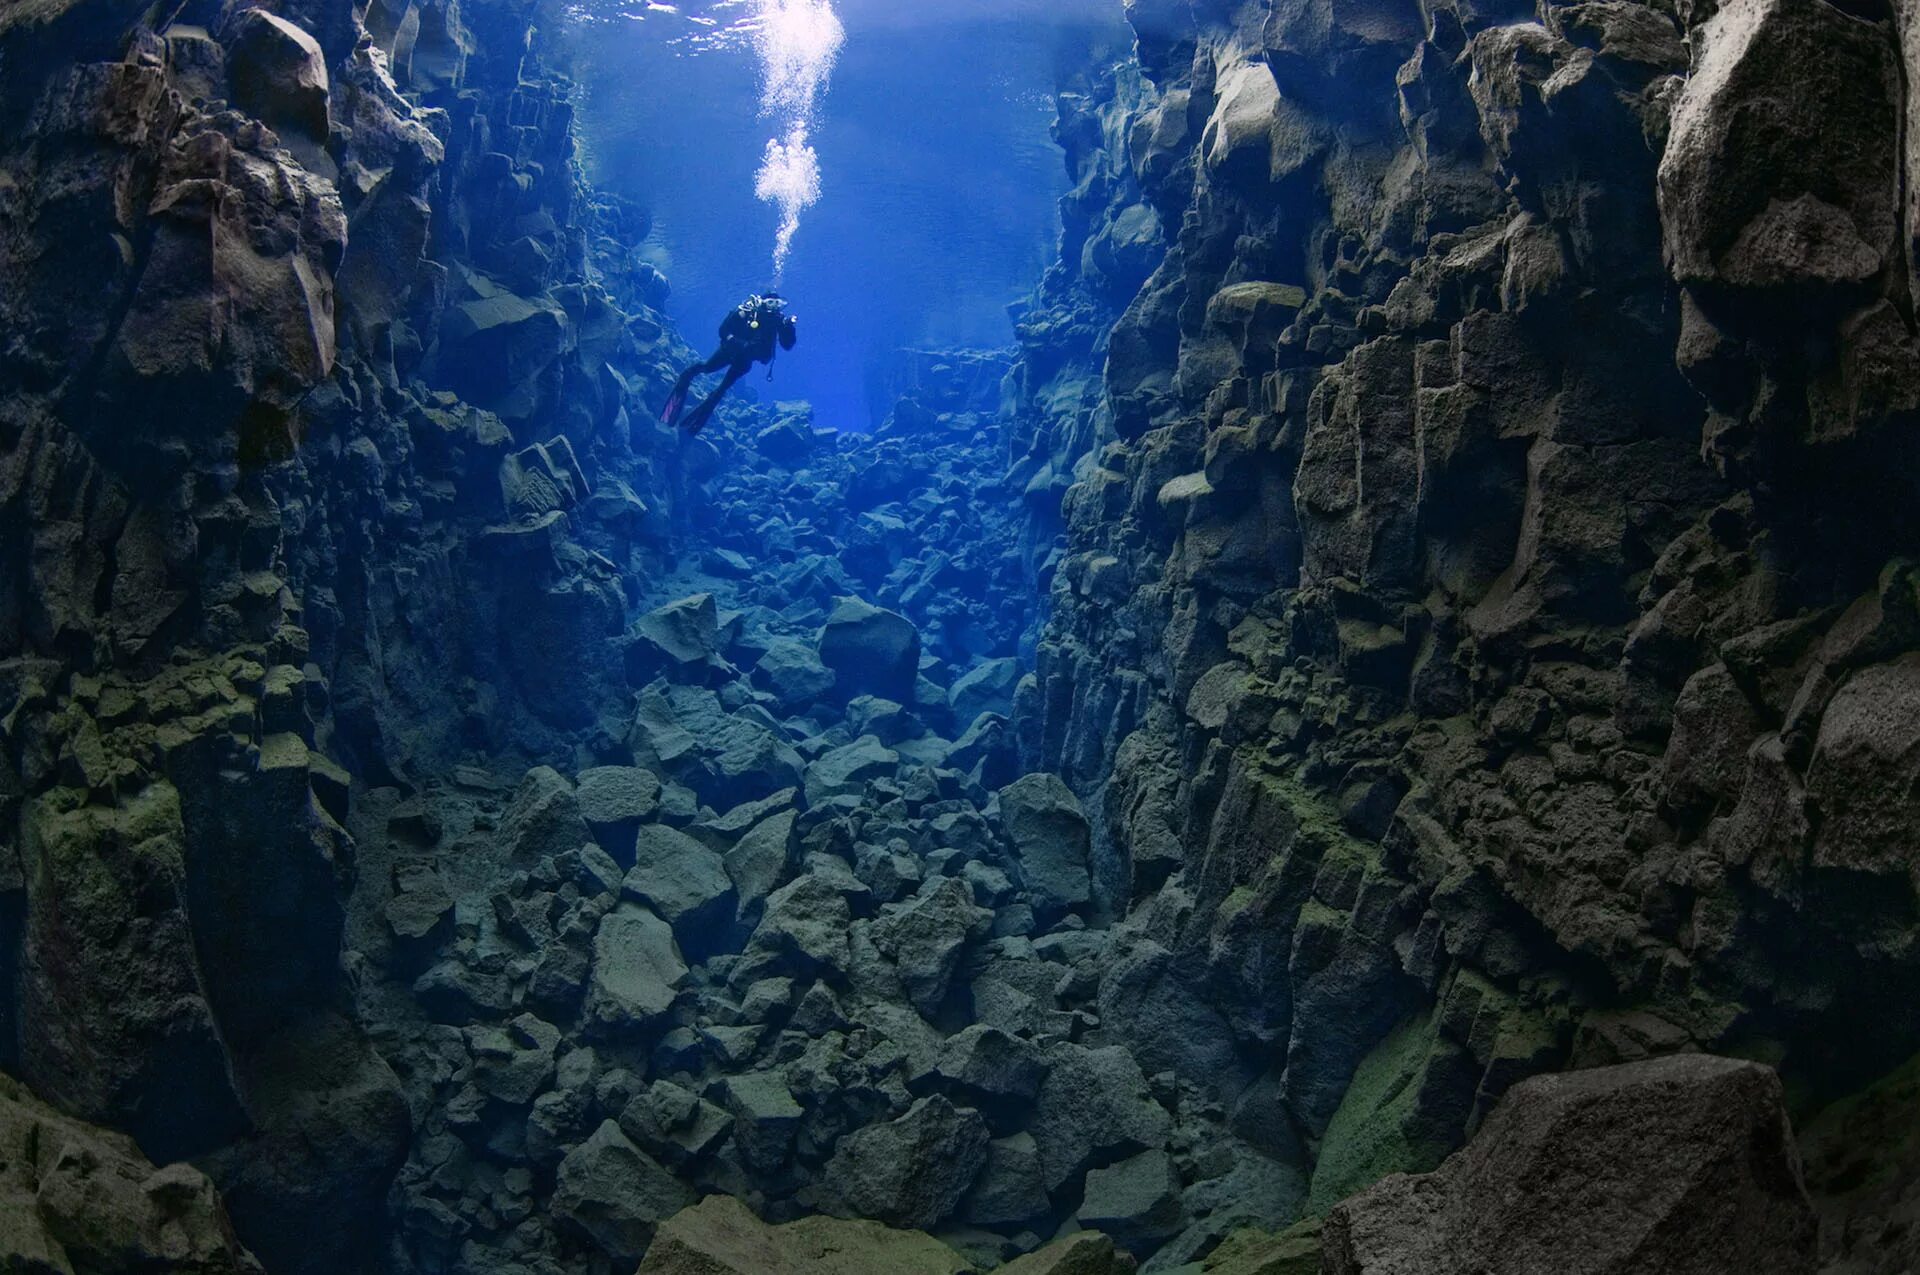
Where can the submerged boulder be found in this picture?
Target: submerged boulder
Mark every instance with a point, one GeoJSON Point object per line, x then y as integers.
{"type": "Point", "coordinates": [846, 771]}
{"type": "Point", "coordinates": [278, 73]}
{"type": "Point", "coordinates": [679, 634]}
{"type": "Point", "coordinates": [544, 818]}
{"type": "Point", "coordinates": [1094, 1106]}
{"type": "Point", "coordinates": [686, 884]}
{"type": "Point", "coordinates": [926, 936]}
{"type": "Point", "coordinates": [1052, 841]}
{"type": "Point", "coordinates": [721, 1236]}
{"type": "Point", "coordinates": [911, 1171]}
{"type": "Point", "coordinates": [1684, 1165]}
{"type": "Point", "coordinates": [614, 1193]}
{"type": "Point", "coordinates": [791, 671]}
{"type": "Point", "coordinates": [614, 800]}
{"type": "Point", "coordinates": [986, 688]}
{"type": "Point", "coordinates": [1087, 1253]}
{"type": "Point", "coordinates": [871, 651]}
{"type": "Point", "coordinates": [637, 969]}
{"type": "Point", "coordinates": [1137, 1201]}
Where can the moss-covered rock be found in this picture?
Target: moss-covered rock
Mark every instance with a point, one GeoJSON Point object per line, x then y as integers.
{"type": "Point", "coordinates": [721, 1236]}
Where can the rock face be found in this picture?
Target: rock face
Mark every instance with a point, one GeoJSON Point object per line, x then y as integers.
{"type": "Point", "coordinates": [1600, 1171]}
{"type": "Point", "coordinates": [1456, 693]}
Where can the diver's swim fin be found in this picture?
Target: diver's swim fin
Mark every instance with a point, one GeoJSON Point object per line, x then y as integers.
{"type": "Point", "coordinates": [671, 412]}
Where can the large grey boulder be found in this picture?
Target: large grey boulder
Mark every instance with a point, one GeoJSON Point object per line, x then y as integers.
{"type": "Point", "coordinates": [686, 884]}
{"type": "Point", "coordinates": [1165, 1023]}
{"type": "Point", "coordinates": [1683, 1165]}
{"type": "Point", "coordinates": [925, 937]}
{"type": "Point", "coordinates": [684, 732]}
{"type": "Point", "coordinates": [614, 1194]}
{"type": "Point", "coordinates": [791, 671]}
{"type": "Point", "coordinates": [803, 929]}
{"type": "Point", "coordinates": [515, 1062]}
{"type": "Point", "coordinates": [1781, 166]}
{"type": "Point", "coordinates": [1137, 1201]}
{"type": "Point", "coordinates": [1011, 1188]}
{"type": "Point", "coordinates": [986, 688]}
{"type": "Point", "coordinates": [278, 73]}
{"type": "Point", "coordinates": [1084, 1253]}
{"type": "Point", "coordinates": [759, 860]}
{"type": "Point", "coordinates": [1051, 842]}
{"type": "Point", "coordinates": [77, 1198]}
{"type": "Point", "coordinates": [765, 1118]}
{"type": "Point", "coordinates": [911, 1171]}
{"type": "Point", "coordinates": [846, 771]}
{"type": "Point", "coordinates": [1093, 1106]}
{"type": "Point", "coordinates": [615, 800]}
{"type": "Point", "coordinates": [681, 633]}
{"type": "Point", "coordinates": [637, 970]}
{"type": "Point", "coordinates": [871, 651]}
{"type": "Point", "coordinates": [543, 820]}
{"type": "Point", "coordinates": [987, 1062]}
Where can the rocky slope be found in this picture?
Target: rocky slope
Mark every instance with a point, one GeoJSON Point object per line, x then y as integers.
{"type": "Point", "coordinates": [471, 824]}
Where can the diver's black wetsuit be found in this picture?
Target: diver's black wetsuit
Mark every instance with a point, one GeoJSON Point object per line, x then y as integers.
{"type": "Point", "coordinates": [747, 337]}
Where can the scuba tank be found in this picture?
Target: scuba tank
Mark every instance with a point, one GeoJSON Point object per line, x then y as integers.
{"type": "Point", "coordinates": [756, 311]}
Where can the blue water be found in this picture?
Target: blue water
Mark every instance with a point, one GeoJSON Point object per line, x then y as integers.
{"type": "Point", "coordinates": [939, 178]}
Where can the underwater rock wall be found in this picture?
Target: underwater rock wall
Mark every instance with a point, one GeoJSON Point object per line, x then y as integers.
{"type": "Point", "coordinates": [316, 469]}
{"type": "Point", "coordinates": [1111, 239]}
{"type": "Point", "coordinates": [1485, 634]}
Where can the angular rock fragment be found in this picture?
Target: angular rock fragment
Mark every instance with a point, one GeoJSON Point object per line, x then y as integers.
{"type": "Point", "coordinates": [1681, 1164]}
{"type": "Point", "coordinates": [1010, 1189]}
{"type": "Point", "coordinates": [682, 633]}
{"type": "Point", "coordinates": [77, 1198]}
{"type": "Point", "coordinates": [721, 1237]}
{"type": "Point", "coordinates": [614, 1193]}
{"type": "Point", "coordinates": [543, 820]}
{"type": "Point", "coordinates": [1137, 1201]}
{"type": "Point", "coordinates": [1051, 842]}
{"type": "Point", "coordinates": [614, 801]}
{"type": "Point", "coordinates": [686, 884]}
{"type": "Point", "coordinates": [637, 970]}
{"type": "Point", "coordinates": [911, 1171]}
{"type": "Point", "coordinates": [871, 651]}
{"type": "Point", "coordinates": [925, 937]}
{"type": "Point", "coordinates": [1094, 1106]}
{"type": "Point", "coordinates": [278, 72]}
{"type": "Point", "coordinates": [846, 771]}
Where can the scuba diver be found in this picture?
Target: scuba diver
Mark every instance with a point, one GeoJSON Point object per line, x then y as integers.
{"type": "Point", "coordinates": [747, 337]}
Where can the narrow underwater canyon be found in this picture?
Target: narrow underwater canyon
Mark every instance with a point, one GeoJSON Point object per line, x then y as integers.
{"type": "Point", "coordinates": [1380, 737]}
